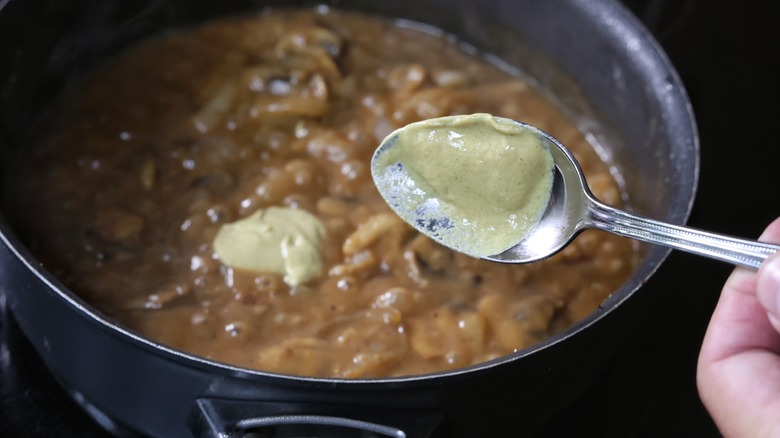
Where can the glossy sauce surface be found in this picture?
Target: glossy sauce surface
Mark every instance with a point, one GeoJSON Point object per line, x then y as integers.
{"type": "Point", "coordinates": [151, 155]}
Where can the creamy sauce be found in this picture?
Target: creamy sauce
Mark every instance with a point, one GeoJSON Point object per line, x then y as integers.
{"type": "Point", "coordinates": [475, 183]}
{"type": "Point", "coordinates": [145, 160]}
{"type": "Point", "coordinates": [282, 240]}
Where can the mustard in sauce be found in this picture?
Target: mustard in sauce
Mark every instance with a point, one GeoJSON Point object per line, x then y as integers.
{"type": "Point", "coordinates": [278, 239]}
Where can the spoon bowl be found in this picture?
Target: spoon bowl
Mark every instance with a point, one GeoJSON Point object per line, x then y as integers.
{"type": "Point", "coordinates": [572, 208]}
{"type": "Point", "coordinates": [567, 212]}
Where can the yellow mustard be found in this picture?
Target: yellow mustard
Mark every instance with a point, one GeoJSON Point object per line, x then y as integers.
{"type": "Point", "coordinates": [278, 239]}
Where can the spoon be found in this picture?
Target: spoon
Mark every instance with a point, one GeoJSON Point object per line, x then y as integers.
{"type": "Point", "coordinates": [571, 209]}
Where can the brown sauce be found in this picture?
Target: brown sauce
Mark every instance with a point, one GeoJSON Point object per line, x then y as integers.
{"type": "Point", "coordinates": [149, 156]}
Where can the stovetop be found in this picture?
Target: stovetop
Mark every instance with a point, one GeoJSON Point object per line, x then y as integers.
{"type": "Point", "coordinates": [726, 56]}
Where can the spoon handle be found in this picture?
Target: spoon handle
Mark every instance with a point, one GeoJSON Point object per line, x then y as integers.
{"type": "Point", "coordinates": [740, 252]}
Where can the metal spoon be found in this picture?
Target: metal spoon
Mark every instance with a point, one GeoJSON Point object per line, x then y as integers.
{"type": "Point", "coordinates": [573, 208]}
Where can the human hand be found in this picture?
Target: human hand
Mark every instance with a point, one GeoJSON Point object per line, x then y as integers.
{"type": "Point", "coordinates": [738, 373]}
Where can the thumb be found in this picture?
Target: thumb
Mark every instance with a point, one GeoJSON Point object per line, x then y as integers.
{"type": "Point", "coordinates": [768, 288]}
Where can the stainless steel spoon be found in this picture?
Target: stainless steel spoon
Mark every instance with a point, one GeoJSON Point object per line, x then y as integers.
{"type": "Point", "coordinates": [573, 208]}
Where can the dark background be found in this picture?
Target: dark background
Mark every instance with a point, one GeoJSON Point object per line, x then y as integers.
{"type": "Point", "coordinates": [727, 55]}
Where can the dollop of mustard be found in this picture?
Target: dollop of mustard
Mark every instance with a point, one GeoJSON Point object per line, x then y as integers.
{"type": "Point", "coordinates": [283, 240]}
{"type": "Point", "coordinates": [475, 183]}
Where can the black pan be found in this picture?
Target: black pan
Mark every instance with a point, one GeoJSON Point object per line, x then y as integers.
{"type": "Point", "coordinates": [595, 53]}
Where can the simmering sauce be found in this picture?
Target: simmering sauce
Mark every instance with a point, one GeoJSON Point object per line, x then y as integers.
{"type": "Point", "coordinates": [148, 158]}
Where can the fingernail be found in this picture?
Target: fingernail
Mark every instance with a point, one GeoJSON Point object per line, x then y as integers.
{"type": "Point", "coordinates": [768, 285]}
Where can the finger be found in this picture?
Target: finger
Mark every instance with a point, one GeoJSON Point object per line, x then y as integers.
{"type": "Point", "coordinates": [740, 322]}
{"type": "Point", "coordinates": [768, 278]}
{"type": "Point", "coordinates": [738, 373]}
